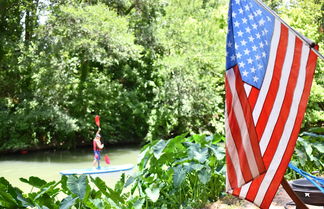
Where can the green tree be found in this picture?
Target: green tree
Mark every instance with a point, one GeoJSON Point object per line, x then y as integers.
{"type": "Point", "coordinates": [307, 17]}
{"type": "Point", "coordinates": [93, 65]}
{"type": "Point", "coordinates": [189, 95]}
{"type": "Point", "coordinates": [18, 21]}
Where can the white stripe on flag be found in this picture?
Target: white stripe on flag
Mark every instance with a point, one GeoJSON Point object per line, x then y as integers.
{"type": "Point", "coordinates": [247, 89]}
{"type": "Point", "coordinates": [228, 186]}
{"type": "Point", "coordinates": [233, 154]}
{"type": "Point", "coordinates": [265, 86]}
{"type": "Point", "coordinates": [287, 129]}
{"type": "Point", "coordinates": [273, 117]}
{"type": "Point", "coordinates": [246, 141]}
{"type": "Point", "coordinates": [268, 76]}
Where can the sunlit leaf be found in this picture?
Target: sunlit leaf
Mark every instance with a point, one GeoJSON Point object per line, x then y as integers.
{"type": "Point", "coordinates": [77, 185]}
{"type": "Point", "coordinates": [7, 201]}
{"type": "Point", "coordinates": [68, 202]}
{"type": "Point", "coordinates": [101, 185]}
{"type": "Point", "coordinates": [139, 203]}
{"type": "Point", "coordinates": [34, 181]}
{"type": "Point", "coordinates": [153, 193]}
{"type": "Point", "coordinates": [204, 175]}
{"type": "Point", "coordinates": [158, 148]}
{"type": "Point", "coordinates": [179, 176]}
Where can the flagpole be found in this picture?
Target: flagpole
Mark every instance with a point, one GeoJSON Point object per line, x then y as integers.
{"type": "Point", "coordinates": [310, 43]}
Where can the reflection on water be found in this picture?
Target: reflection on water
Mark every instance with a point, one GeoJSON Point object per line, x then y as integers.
{"type": "Point", "coordinates": [47, 164]}
{"type": "Point", "coordinates": [50, 156]}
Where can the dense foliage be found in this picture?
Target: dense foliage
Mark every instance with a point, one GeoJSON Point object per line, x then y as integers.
{"type": "Point", "coordinates": [307, 17]}
{"type": "Point", "coordinates": [152, 69]}
{"type": "Point", "coordinates": [183, 172]}
{"type": "Point", "coordinates": [308, 154]}
{"type": "Point", "coordinates": [178, 173]}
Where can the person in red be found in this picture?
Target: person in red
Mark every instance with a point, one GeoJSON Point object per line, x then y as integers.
{"type": "Point", "coordinates": [97, 147]}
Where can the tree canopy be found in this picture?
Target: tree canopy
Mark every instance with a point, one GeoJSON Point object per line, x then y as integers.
{"type": "Point", "coordinates": [152, 69]}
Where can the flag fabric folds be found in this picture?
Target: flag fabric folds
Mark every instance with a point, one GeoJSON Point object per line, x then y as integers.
{"type": "Point", "coordinates": [269, 72]}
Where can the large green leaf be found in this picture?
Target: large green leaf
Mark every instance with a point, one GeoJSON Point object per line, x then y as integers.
{"type": "Point", "coordinates": [158, 148]}
{"type": "Point", "coordinates": [153, 193]}
{"type": "Point", "coordinates": [116, 196]}
{"type": "Point", "coordinates": [7, 201]}
{"type": "Point", "coordinates": [48, 189]}
{"type": "Point", "coordinates": [142, 154]}
{"type": "Point", "coordinates": [193, 166]}
{"type": "Point", "coordinates": [143, 158]}
{"type": "Point", "coordinates": [45, 201]}
{"type": "Point", "coordinates": [112, 203]}
{"type": "Point", "coordinates": [204, 175]}
{"type": "Point", "coordinates": [309, 150]}
{"type": "Point", "coordinates": [78, 185]}
{"type": "Point", "coordinates": [25, 202]}
{"type": "Point", "coordinates": [119, 186]}
{"type": "Point", "coordinates": [218, 151]}
{"type": "Point", "coordinates": [175, 144]}
{"type": "Point", "coordinates": [179, 176]}
{"type": "Point", "coordinates": [64, 180]}
{"type": "Point", "coordinates": [319, 147]}
{"type": "Point", "coordinates": [197, 153]}
{"type": "Point", "coordinates": [34, 181]}
{"type": "Point", "coordinates": [5, 186]}
{"type": "Point", "coordinates": [139, 203]}
{"type": "Point", "coordinates": [101, 185]}
{"type": "Point", "coordinates": [97, 203]}
{"type": "Point", "coordinates": [42, 206]}
{"type": "Point", "coordinates": [201, 139]}
{"type": "Point", "coordinates": [68, 202]}
{"type": "Point", "coordinates": [130, 180]}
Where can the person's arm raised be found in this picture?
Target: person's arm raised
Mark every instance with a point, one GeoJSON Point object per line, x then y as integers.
{"type": "Point", "coordinates": [100, 145]}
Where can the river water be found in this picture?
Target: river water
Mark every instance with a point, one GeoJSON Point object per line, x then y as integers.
{"type": "Point", "coordinates": [47, 164]}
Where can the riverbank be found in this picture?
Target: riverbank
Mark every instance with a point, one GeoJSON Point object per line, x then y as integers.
{"type": "Point", "coordinates": [47, 164]}
{"type": "Point", "coordinates": [45, 148]}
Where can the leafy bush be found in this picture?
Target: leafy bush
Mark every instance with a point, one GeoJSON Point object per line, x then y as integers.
{"type": "Point", "coordinates": [181, 172]}
{"type": "Point", "coordinates": [77, 192]}
{"type": "Point", "coordinates": [308, 154]}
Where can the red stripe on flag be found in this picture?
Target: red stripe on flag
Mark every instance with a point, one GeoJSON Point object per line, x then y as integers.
{"type": "Point", "coordinates": [233, 124]}
{"type": "Point", "coordinates": [310, 68]}
{"type": "Point", "coordinates": [236, 191]}
{"type": "Point", "coordinates": [281, 120]}
{"type": "Point", "coordinates": [286, 106]}
{"type": "Point", "coordinates": [232, 178]}
{"type": "Point", "coordinates": [272, 92]}
{"type": "Point", "coordinates": [269, 102]}
{"type": "Point", "coordinates": [249, 120]}
{"type": "Point", "coordinates": [254, 187]}
{"type": "Point", "coordinates": [272, 115]}
{"type": "Point", "coordinates": [253, 97]}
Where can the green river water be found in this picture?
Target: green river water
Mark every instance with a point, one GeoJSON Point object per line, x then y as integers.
{"type": "Point", "coordinates": [47, 164]}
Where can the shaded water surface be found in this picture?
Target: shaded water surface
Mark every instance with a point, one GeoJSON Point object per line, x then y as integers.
{"type": "Point", "coordinates": [47, 164]}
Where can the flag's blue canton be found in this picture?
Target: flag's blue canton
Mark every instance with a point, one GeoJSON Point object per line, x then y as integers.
{"type": "Point", "coordinates": [250, 29]}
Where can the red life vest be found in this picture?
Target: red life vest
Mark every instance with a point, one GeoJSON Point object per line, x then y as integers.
{"type": "Point", "coordinates": [95, 148]}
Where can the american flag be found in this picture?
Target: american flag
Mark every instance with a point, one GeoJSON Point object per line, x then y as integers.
{"type": "Point", "coordinates": [269, 71]}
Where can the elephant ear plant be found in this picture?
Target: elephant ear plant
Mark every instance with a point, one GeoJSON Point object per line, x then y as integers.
{"type": "Point", "coordinates": [44, 197]}
{"type": "Point", "coordinates": [183, 172]}
{"type": "Point", "coordinates": [180, 172]}
{"type": "Point", "coordinates": [308, 153]}
{"type": "Point", "coordinates": [69, 192]}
